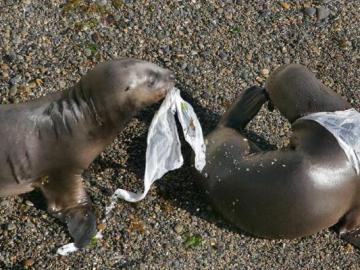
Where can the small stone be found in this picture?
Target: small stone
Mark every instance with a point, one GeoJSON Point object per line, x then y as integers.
{"type": "Point", "coordinates": [102, 2]}
{"type": "Point", "coordinates": [10, 57]}
{"type": "Point", "coordinates": [178, 228]}
{"type": "Point", "coordinates": [13, 90]}
{"type": "Point", "coordinates": [322, 13]}
{"type": "Point", "coordinates": [96, 37]}
{"type": "Point", "coordinates": [32, 84]}
{"type": "Point", "coordinates": [4, 203]}
{"type": "Point", "coordinates": [287, 60]}
{"type": "Point", "coordinates": [11, 227]}
{"type": "Point", "coordinates": [28, 203]}
{"type": "Point", "coordinates": [101, 227]}
{"type": "Point", "coordinates": [29, 225]}
{"type": "Point", "coordinates": [285, 5]}
{"type": "Point", "coordinates": [310, 11]}
{"type": "Point", "coordinates": [39, 82]}
{"type": "Point", "coordinates": [29, 262]}
{"type": "Point", "coordinates": [88, 52]}
{"type": "Point", "coordinates": [62, 84]}
{"type": "Point", "coordinates": [349, 248]}
{"type": "Point", "coordinates": [249, 56]}
{"type": "Point", "coordinates": [5, 75]}
{"type": "Point", "coordinates": [316, 50]}
{"type": "Point", "coordinates": [265, 72]}
{"type": "Point", "coordinates": [345, 43]}
{"type": "Point", "coordinates": [82, 71]}
{"type": "Point", "coordinates": [15, 80]}
{"type": "Point", "coordinates": [4, 67]}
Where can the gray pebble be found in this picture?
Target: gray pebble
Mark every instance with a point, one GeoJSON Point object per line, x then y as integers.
{"type": "Point", "coordinates": [102, 2]}
{"type": "Point", "coordinates": [15, 80]}
{"type": "Point", "coordinates": [4, 204]}
{"type": "Point", "coordinates": [183, 66]}
{"type": "Point", "coordinates": [178, 228]}
{"type": "Point", "coordinates": [28, 203]}
{"type": "Point", "coordinates": [11, 227]}
{"type": "Point", "coordinates": [62, 84]}
{"type": "Point", "coordinates": [13, 90]}
{"type": "Point", "coordinates": [10, 57]}
{"type": "Point", "coordinates": [322, 13]}
{"type": "Point", "coordinates": [88, 52]}
{"type": "Point", "coordinates": [310, 11]}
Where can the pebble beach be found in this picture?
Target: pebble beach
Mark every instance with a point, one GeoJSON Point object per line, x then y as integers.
{"type": "Point", "coordinates": [216, 49]}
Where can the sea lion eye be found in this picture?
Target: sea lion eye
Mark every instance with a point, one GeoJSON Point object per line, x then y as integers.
{"type": "Point", "coordinates": [153, 77]}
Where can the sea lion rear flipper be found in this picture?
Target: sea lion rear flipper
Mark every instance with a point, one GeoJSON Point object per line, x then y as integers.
{"type": "Point", "coordinates": [244, 108]}
{"type": "Point", "coordinates": [349, 227]}
{"type": "Point", "coordinates": [67, 200]}
{"type": "Point", "coordinates": [352, 237]}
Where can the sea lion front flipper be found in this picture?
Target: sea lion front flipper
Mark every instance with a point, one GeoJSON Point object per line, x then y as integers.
{"type": "Point", "coordinates": [244, 108]}
{"type": "Point", "coordinates": [81, 223]}
{"type": "Point", "coordinates": [67, 200]}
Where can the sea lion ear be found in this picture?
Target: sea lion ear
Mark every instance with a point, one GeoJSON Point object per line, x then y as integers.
{"type": "Point", "coordinates": [127, 88]}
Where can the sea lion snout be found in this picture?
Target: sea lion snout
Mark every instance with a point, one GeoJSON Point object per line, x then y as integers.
{"type": "Point", "coordinates": [148, 83]}
{"type": "Point", "coordinates": [162, 80]}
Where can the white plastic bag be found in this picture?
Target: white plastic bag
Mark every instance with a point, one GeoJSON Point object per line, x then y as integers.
{"type": "Point", "coordinates": [345, 126]}
{"type": "Point", "coordinates": [163, 152]}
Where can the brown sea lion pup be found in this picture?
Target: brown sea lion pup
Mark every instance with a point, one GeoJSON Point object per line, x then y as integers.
{"type": "Point", "coordinates": [287, 193]}
{"type": "Point", "coordinates": [47, 143]}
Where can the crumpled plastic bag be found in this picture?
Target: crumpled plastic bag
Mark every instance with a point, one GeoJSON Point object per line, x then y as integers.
{"type": "Point", "coordinates": [345, 126]}
{"type": "Point", "coordinates": [163, 152]}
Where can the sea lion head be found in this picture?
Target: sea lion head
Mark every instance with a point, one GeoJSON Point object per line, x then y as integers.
{"type": "Point", "coordinates": [145, 82]}
{"type": "Point", "coordinates": [296, 92]}
{"type": "Point", "coordinates": [129, 83]}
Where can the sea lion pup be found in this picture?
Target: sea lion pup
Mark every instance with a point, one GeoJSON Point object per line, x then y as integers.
{"type": "Point", "coordinates": [287, 193]}
{"type": "Point", "coordinates": [48, 142]}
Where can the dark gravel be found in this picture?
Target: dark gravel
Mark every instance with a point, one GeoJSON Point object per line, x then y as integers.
{"type": "Point", "coordinates": [216, 49]}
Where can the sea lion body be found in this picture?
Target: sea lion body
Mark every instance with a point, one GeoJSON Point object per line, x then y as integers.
{"type": "Point", "coordinates": [287, 193]}
{"type": "Point", "coordinates": [48, 142]}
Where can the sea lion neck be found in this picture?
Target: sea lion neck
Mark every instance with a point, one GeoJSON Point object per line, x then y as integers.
{"type": "Point", "coordinates": [107, 110]}
{"type": "Point", "coordinates": [77, 112]}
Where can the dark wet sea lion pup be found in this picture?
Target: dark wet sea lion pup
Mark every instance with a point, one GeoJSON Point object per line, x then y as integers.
{"type": "Point", "coordinates": [286, 193]}
{"type": "Point", "coordinates": [48, 142]}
